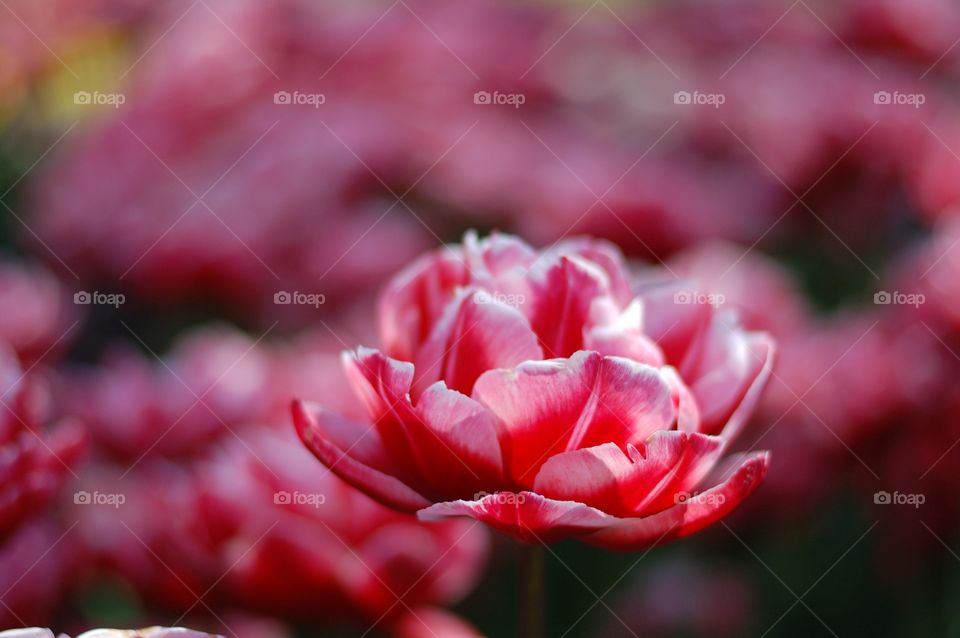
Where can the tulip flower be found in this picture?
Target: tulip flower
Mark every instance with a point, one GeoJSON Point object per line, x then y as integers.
{"type": "Point", "coordinates": [549, 396]}
{"type": "Point", "coordinates": [36, 460]}
{"type": "Point", "coordinates": [521, 389]}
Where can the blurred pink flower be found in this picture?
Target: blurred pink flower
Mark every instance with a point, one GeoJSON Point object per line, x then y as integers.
{"type": "Point", "coordinates": [303, 543]}
{"type": "Point", "coordinates": [222, 193]}
{"type": "Point", "coordinates": [528, 390]}
{"type": "Point", "coordinates": [211, 380]}
{"type": "Point", "coordinates": [36, 320]}
{"type": "Point", "coordinates": [260, 526]}
{"type": "Point", "coordinates": [37, 451]}
{"type": "Point", "coordinates": [213, 512]}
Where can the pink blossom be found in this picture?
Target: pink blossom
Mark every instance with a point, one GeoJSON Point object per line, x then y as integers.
{"type": "Point", "coordinates": [529, 390]}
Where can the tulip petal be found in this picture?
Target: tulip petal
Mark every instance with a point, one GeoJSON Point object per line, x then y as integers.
{"type": "Point", "coordinates": [457, 440]}
{"type": "Point", "coordinates": [355, 454]}
{"type": "Point", "coordinates": [622, 484]}
{"type": "Point", "coordinates": [687, 517]}
{"type": "Point", "coordinates": [620, 333]}
{"type": "Point", "coordinates": [476, 334]}
{"type": "Point", "coordinates": [699, 455]}
{"type": "Point", "coordinates": [561, 306]}
{"type": "Point", "coordinates": [416, 298]}
{"type": "Point", "coordinates": [761, 347]}
{"type": "Point", "coordinates": [548, 407]}
{"type": "Point", "coordinates": [728, 366]}
{"type": "Point", "coordinates": [383, 384]}
{"type": "Point", "coordinates": [604, 254]}
{"type": "Point", "coordinates": [672, 318]}
{"type": "Point", "coordinates": [526, 516]}
{"type": "Point", "coordinates": [688, 414]}
{"type": "Point", "coordinates": [499, 262]}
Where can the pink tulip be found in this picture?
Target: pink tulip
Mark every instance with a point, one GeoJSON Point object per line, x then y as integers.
{"type": "Point", "coordinates": [37, 311]}
{"type": "Point", "coordinates": [211, 380]}
{"type": "Point", "coordinates": [538, 393]}
{"type": "Point", "coordinates": [38, 451]}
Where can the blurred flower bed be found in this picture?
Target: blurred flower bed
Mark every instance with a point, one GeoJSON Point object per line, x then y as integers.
{"type": "Point", "coordinates": [202, 201]}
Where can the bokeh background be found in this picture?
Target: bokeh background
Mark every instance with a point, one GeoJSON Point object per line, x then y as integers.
{"type": "Point", "coordinates": [200, 200]}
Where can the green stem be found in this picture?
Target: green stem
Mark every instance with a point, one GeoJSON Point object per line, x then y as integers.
{"type": "Point", "coordinates": [532, 591]}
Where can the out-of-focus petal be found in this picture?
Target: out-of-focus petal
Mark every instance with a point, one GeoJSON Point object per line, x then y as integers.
{"type": "Point", "coordinates": [431, 622]}
{"type": "Point", "coordinates": [616, 333]}
{"type": "Point", "coordinates": [415, 299]}
{"type": "Point", "coordinates": [724, 370]}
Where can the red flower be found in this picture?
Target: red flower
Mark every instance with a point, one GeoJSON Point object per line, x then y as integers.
{"type": "Point", "coordinates": [34, 460]}
{"type": "Point", "coordinates": [537, 393]}
{"type": "Point", "coordinates": [212, 380]}
{"type": "Point", "coordinates": [36, 319]}
{"type": "Point", "coordinates": [300, 543]}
